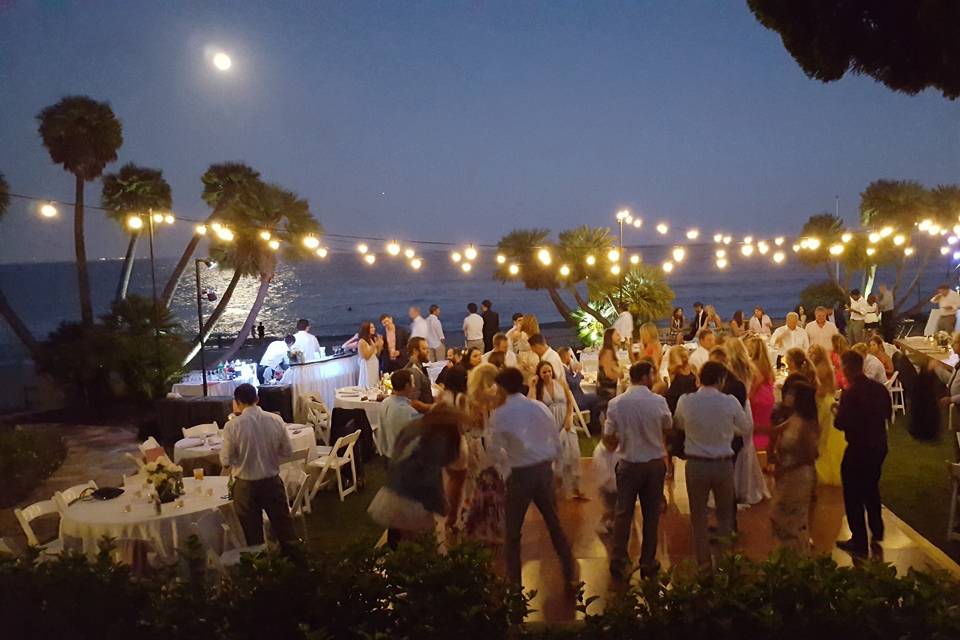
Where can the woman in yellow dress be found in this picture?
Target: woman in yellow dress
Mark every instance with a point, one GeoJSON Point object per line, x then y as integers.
{"type": "Point", "coordinates": [832, 441]}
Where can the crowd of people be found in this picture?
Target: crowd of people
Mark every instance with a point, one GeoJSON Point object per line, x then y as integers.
{"type": "Point", "coordinates": [499, 435]}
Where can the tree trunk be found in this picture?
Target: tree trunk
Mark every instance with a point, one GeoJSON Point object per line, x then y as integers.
{"type": "Point", "coordinates": [214, 317]}
{"type": "Point", "coordinates": [832, 272]}
{"type": "Point", "coordinates": [80, 248]}
{"type": "Point", "coordinates": [561, 305]}
{"type": "Point", "coordinates": [17, 326]}
{"type": "Point", "coordinates": [127, 266]}
{"type": "Point", "coordinates": [251, 318]}
{"type": "Point", "coordinates": [913, 285]}
{"type": "Point", "coordinates": [585, 305]}
{"type": "Point", "coordinates": [870, 274]}
{"type": "Point", "coordinates": [171, 287]}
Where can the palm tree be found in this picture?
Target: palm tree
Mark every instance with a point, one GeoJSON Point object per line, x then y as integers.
{"type": "Point", "coordinates": [221, 183]}
{"type": "Point", "coordinates": [575, 245]}
{"type": "Point", "coordinates": [83, 135]}
{"type": "Point", "coordinates": [16, 324]}
{"type": "Point", "coordinates": [520, 248]}
{"type": "Point", "coordinates": [133, 189]}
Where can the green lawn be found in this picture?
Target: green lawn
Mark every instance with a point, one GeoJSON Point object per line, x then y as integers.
{"type": "Point", "coordinates": [915, 486]}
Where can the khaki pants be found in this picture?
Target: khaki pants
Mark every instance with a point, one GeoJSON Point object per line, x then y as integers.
{"type": "Point", "coordinates": [703, 477]}
{"type": "Point", "coordinates": [438, 354]}
{"type": "Point", "coordinates": [475, 344]}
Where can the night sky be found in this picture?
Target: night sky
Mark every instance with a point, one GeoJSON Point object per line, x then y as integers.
{"type": "Point", "coordinates": [459, 121]}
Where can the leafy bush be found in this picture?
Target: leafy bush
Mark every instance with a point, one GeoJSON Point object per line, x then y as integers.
{"type": "Point", "coordinates": [821, 294]}
{"type": "Point", "coordinates": [27, 458]}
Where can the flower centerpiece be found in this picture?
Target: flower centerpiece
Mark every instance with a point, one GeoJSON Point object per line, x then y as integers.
{"type": "Point", "coordinates": [943, 338]}
{"type": "Point", "coordinates": [387, 383]}
{"type": "Point", "coordinates": [295, 355]}
{"type": "Point", "coordinates": [166, 478]}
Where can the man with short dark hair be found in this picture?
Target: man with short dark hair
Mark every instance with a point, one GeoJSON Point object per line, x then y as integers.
{"type": "Point", "coordinates": [274, 358]}
{"type": "Point", "coordinates": [760, 322]}
{"type": "Point", "coordinates": [948, 302]}
{"type": "Point", "coordinates": [638, 418]}
{"type": "Point", "coordinates": [473, 328]}
{"type": "Point", "coordinates": [418, 325]}
{"type": "Point", "coordinates": [710, 419]}
{"type": "Point", "coordinates": [254, 444]}
{"type": "Point", "coordinates": [885, 303]}
{"type": "Point", "coordinates": [624, 324]}
{"type": "Point", "coordinates": [707, 339]}
{"type": "Point", "coordinates": [501, 345]}
{"type": "Point", "coordinates": [397, 412]}
{"type": "Point", "coordinates": [306, 342]}
{"type": "Point", "coordinates": [524, 434]}
{"type": "Point", "coordinates": [697, 322]}
{"type": "Point", "coordinates": [491, 324]}
{"type": "Point", "coordinates": [394, 353]}
{"type": "Point", "coordinates": [857, 307]}
{"type": "Point", "coordinates": [862, 415]}
{"type": "Point", "coordinates": [573, 375]}
{"type": "Point", "coordinates": [538, 344]}
{"type": "Point", "coordinates": [435, 338]}
{"type": "Point", "coordinates": [422, 399]}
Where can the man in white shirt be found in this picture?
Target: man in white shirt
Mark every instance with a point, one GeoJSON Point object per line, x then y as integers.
{"type": "Point", "coordinates": [790, 336]}
{"type": "Point", "coordinates": [254, 444]}
{"type": "Point", "coordinates": [473, 328]}
{"type": "Point", "coordinates": [502, 345]}
{"type": "Point", "coordinates": [638, 418]}
{"type": "Point", "coordinates": [948, 301]}
{"type": "Point", "coordinates": [760, 322]}
{"type": "Point", "coordinates": [397, 412]}
{"type": "Point", "coordinates": [275, 357]}
{"type": "Point", "coordinates": [418, 325]}
{"type": "Point", "coordinates": [710, 419]}
{"type": "Point", "coordinates": [538, 344]}
{"type": "Point", "coordinates": [435, 337]}
{"type": "Point", "coordinates": [858, 310]}
{"type": "Point", "coordinates": [821, 331]}
{"type": "Point", "coordinates": [524, 435]}
{"type": "Point", "coordinates": [306, 342]}
{"type": "Point", "coordinates": [887, 318]}
{"type": "Point", "coordinates": [624, 324]}
{"type": "Point", "coordinates": [872, 366]}
{"type": "Point", "coordinates": [707, 341]}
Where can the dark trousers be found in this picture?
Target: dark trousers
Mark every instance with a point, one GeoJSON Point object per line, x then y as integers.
{"type": "Point", "coordinates": [251, 498]}
{"type": "Point", "coordinates": [643, 480]}
{"type": "Point", "coordinates": [860, 474]}
{"type": "Point", "coordinates": [887, 325]}
{"type": "Point", "coordinates": [526, 485]}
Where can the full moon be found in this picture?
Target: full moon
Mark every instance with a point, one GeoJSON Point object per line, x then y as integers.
{"type": "Point", "coordinates": [222, 61]}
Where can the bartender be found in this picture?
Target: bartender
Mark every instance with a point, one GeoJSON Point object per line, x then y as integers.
{"type": "Point", "coordinates": [305, 341]}
{"type": "Point", "coordinates": [275, 357]}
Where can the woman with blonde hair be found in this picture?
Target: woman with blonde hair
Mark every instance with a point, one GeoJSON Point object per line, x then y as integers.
{"type": "Point", "coordinates": [797, 362]}
{"type": "Point", "coordinates": [484, 488]}
{"type": "Point", "coordinates": [761, 394]}
{"type": "Point", "coordinates": [832, 443]}
{"type": "Point", "coordinates": [738, 361]}
{"type": "Point", "coordinates": [682, 378]}
{"type": "Point", "coordinates": [650, 347]}
{"type": "Point", "coordinates": [609, 371]}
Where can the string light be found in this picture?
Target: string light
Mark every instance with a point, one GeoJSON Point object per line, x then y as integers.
{"type": "Point", "coordinates": [48, 210]}
{"type": "Point", "coordinates": [747, 239]}
{"type": "Point", "coordinates": [225, 234]}
{"type": "Point", "coordinates": [886, 232]}
{"type": "Point", "coordinates": [470, 252]}
{"type": "Point", "coordinates": [778, 241]}
{"type": "Point", "coordinates": [265, 234]}
{"type": "Point", "coordinates": [721, 263]}
{"type": "Point", "coordinates": [908, 251]}
{"type": "Point", "coordinates": [543, 255]}
{"type": "Point", "coordinates": [363, 248]}
{"type": "Point", "coordinates": [846, 237]}
{"type": "Point", "coordinates": [796, 248]}
{"type": "Point", "coordinates": [813, 243]}
{"type": "Point", "coordinates": [721, 253]}
{"type": "Point", "coordinates": [763, 248]}
{"type": "Point", "coordinates": [924, 224]}
{"type": "Point", "coordinates": [718, 238]}
{"type": "Point", "coordinates": [169, 218]}
{"type": "Point", "coordinates": [466, 266]}
{"type": "Point", "coordinates": [637, 223]}
{"type": "Point", "coordinates": [667, 266]}
{"type": "Point", "coordinates": [952, 240]}
{"type": "Point", "coordinates": [727, 239]}
{"type": "Point", "coordinates": [693, 234]}
{"type": "Point", "coordinates": [873, 238]}
{"type": "Point", "coordinates": [635, 259]}
{"type": "Point", "coordinates": [944, 250]}
{"type": "Point", "coordinates": [564, 270]}
{"type": "Point", "coordinates": [678, 253]}
{"type": "Point", "coordinates": [615, 269]}
{"type": "Point", "coordinates": [501, 258]}
{"type": "Point", "coordinates": [409, 253]}
{"type": "Point", "coordinates": [747, 250]}
{"type": "Point", "coordinates": [201, 229]}
{"type": "Point", "coordinates": [134, 222]}
{"type": "Point", "coordinates": [662, 228]}
{"type": "Point", "coordinates": [311, 242]}
{"type": "Point", "coordinates": [456, 257]}
{"type": "Point", "coordinates": [591, 260]}
{"type": "Point", "coordinates": [322, 252]}
{"type": "Point", "coordinates": [370, 258]}
{"type": "Point", "coordinates": [613, 255]}
{"type": "Point", "coordinates": [836, 249]}
{"type": "Point", "coordinates": [216, 226]}
{"type": "Point", "coordinates": [416, 263]}
{"type": "Point", "coordinates": [779, 257]}
{"type": "Point", "coordinates": [514, 269]}
{"type": "Point", "coordinates": [275, 244]}
{"type": "Point", "coordinates": [158, 218]}
{"type": "Point", "coordinates": [393, 248]}
{"type": "Point", "coordinates": [899, 239]}
{"type": "Point", "coordinates": [871, 251]}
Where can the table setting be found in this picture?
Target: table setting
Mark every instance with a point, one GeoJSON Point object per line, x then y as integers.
{"type": "Point", "coordinates": [302, 437]}
{"type": "Point", "coordinates": [221, 382]}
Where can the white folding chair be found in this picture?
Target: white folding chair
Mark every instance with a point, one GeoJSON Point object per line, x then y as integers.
{"type": "Point", "coordinates": [234, 537]}
{"type": "Point", "coordinates": [328, 459]}
{"type": "Point", "coordinates": [38, 510]}
{"type": "Point", "coordinates": [297, 486]}
{"type": "Point", "coordinates": [68, 496]}
{"type": "Point", "coordinates": [231, 535]}
{"type": "Point", "coordinates": [896, 394]}
{"type": "Point", "coordinates": [148, 444]}
{"type": "Point", "coordinates": [581, 419]}
{"type": "Point", "coordinates": [318, 417]}
{"type": "Point", "coordinates": [201, 430]}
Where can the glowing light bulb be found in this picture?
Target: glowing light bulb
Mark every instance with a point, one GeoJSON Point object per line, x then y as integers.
{"type": "Point", "coordinates": [157, 217]}
{"type": "Point", "coordinates": [628, 219]}
{"type": "Point", "coordinates": [871, 251]}
{"type": "Point", "coordinates": [501, 258]}
{"type": "Point", "coordinates": [952, 240]}
{"type": "Point", "coordinates": [637, 223]}
{"type": "Point", "coordinates": [721, 263]}
{"type": "Point", "coordinates": [721, 253]}
{"type": "Point", "coordinates": [718, 238]}
{"type": "Point", "coordinates": [873, 238]}
{"type": "Point", "coordinates": [899, 239]}
{"type": "Point", "coordinates": [456, 257]}
{"type": "Point", "coordinates": [908, 251]}
{"type": "Point", "coordinates": [393, 248]}
{"type": "Point", "coordinates": [933, 229]}
{"type": "Point", "coordinates": [416, 263]}
{"type": "Point", "coordinates": [622, 214]}
{"type": "Point", "coordinates": [667, 266]}
{"type": "Point", "coordinates": [613, 255]}
{"type": "Point", "coordinates": [265, 235]}
{"type": "Point", "coordinates": [693, 234]}
{"type": "Point", "coordinates": [796, 248]}
{"type": "Point", "coordinates": [747, 250]}
{"type": "Point", "coordinates": [201, 229]}
{"type": "Point", "coordinates": [615, 269]}
{"type": "Point", "coordinates": [48, 210]}
{"type": "Point", "coordinates": [466, 266]}
{"type": "Point", "coordinates": [311, 242]}
{"type": "Point", "coordinates": [222, 61]}
{"type": "Point", "coordinates": [662, 228]}
{"type": "Point", "coordinates": [363, 248]}
{"type": "Point", "coordinates": [591, 260]}
{"type": "Point", "coordinates": [944, 250]}
{"type": "Point", "coordinates": [778, 241]}
{"type": "Point", "coordinates": [514, 269]}
{"type": "Point", "coordinates": [543, 255]}
{"type": "Point", "coordinates": [169, 218]}
{"type": "Point", "coordinates": [779, 257]}
{"type": "Point", "coordinates": [813, 243]}
{"type": "Point", "coordinates": [635, 259]}
{"type": "Point", "coordinates": [470, 253]}
{"type": "Point", "coordinates": [886, 231]}
{"type": "Point", "coordinates": [763, 248]}
{"type": "Point", "coordinates": [924, 224]}
{"type": "Point", "coordinates": [274, 244]}
{"type": "Point", "coordinates": [727, 239]}
{"type": "Point", "coordinates": [215, 226]}
{"type": "Point", "coordinates": [134, 222]}
{"type": "Point", "coordinates": [409, 253]}
{"type": "Point", "coordinates": [678, 253]}
{"type": "Point", "coordinates": [747, 239]}
{"type": "Point", "coordinates": [370, 258]}
{"type": "Point", "coordinates": [322, 252]}
{"type": "Point", "coordinates": [836, 249]}
{"type": "Point", "coordinates": [225, 234]}
{"type": "Point", "coordinates": [564, 270]}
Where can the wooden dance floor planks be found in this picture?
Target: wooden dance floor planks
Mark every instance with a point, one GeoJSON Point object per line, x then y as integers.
{"type": "Point", "coordinates": [902, 547]}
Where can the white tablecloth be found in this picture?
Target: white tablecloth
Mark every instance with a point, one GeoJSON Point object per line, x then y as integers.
{"type": "Point", "coordinates": [193, 386]}
{"type": "Point", "coordinates": [84, 523]}
{"type": "Point", "coordinates": [302, 438]}
{"type": "Point", "coordinates": [345, 400]}
{"type": "Point", "coordinates": [434, 369]}
{"type": "Point", "coordinates": [321, 379]}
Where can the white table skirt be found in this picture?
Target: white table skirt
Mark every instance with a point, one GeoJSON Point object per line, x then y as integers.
{"type": "Point", "coordinates": [434, 369]}
{"type": "Point", "coordinates": [302, 438]}
{"type": "Point", "coordinates": [85, 523]}
{"type": "Point", "coordinates": [372, 408]}
{"type": "Point", "coordinates": [248, 374]}
{"type": "Point", "coordinates": [320, 379]}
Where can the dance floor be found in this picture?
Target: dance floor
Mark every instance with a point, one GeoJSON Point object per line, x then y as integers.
{"type": "Point", "coordinates": [902, 547]}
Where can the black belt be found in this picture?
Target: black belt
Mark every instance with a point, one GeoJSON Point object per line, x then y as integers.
{"type": "Point", "coordinates": [703, 459]}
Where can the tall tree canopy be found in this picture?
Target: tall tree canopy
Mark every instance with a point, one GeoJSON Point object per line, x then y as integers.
{"type": "Point", "coordinates": [908, 45]}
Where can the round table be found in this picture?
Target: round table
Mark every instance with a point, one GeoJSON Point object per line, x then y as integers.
{"type": "Point", "coordinates": [302, 438]}
{"type": "Point", "coordinates": [84, 523]}
{"type": "Point", "coordinates": [193, 385]}
{"type": "Point", "coordinates": [351, 398]}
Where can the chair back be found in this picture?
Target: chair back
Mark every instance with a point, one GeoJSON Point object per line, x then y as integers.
{"type": "Point", "coordinates": [318, 417]}
{"type": "Point", "coordinates": [892, 380]}
{"type": "Point", "coordinates": [148, 444]}
{"type": "Point", "coordinates": [29, 514]}
{"type": "Point", "coordinates": [301, 485]}
{"type": "Point", "coordinates": [233, 531]}
{"type": "Point", "coordinates": [68, 496]}
{"type": "Point", "coordinates": [348, 441]}
{"type": "Point", "coordinates": [201, 430]}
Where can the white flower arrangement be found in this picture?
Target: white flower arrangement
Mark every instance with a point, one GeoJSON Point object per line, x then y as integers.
{"type": "Point", "coordinates": [166, 478]}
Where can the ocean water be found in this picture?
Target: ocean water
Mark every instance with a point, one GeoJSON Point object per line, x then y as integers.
{"type": "Point", "coordinates": [339, 293]}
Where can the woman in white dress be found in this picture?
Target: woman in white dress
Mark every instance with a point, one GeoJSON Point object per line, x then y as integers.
{"type": "Point", "coordinates": [547, 389]}
{"type": "Point", "coordinates": [369, 347]}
